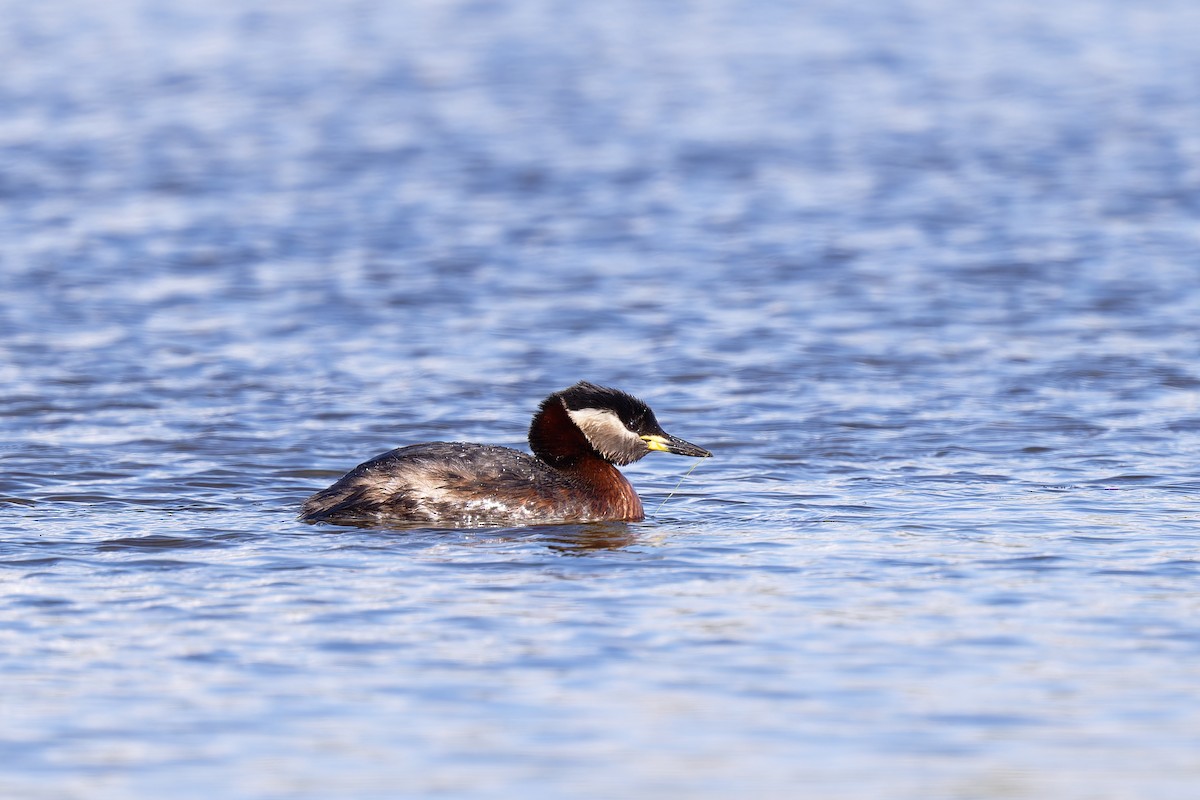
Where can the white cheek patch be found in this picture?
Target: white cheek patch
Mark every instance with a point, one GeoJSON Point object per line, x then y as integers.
{"type": "Point", "coordinates": [608, 434]}
{"type": "Point", "coordinates": [599, 423]}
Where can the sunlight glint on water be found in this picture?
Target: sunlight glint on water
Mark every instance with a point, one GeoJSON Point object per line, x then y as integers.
{"type": "Point", "coordinates": [922, 275]}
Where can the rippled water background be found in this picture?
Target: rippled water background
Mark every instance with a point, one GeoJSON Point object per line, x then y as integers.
{"type": "Point", "coordinates": [924, 275]}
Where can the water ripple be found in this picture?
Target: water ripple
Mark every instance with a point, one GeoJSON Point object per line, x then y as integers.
{"type": "Point", "coordinates": [921, 275]}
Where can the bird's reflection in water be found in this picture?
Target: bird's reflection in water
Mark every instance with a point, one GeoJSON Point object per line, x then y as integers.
{"type": "Point", "coordinates": [574, 538]}
{"type": "Point", "coordinates": [590, 536]}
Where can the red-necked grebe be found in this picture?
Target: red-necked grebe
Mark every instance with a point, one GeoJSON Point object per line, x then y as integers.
{"type": "Point", "coordinates": [577, 435]}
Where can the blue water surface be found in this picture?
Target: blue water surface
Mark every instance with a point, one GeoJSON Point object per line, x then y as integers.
{"type": "Point", "coordinates": [924, 275]}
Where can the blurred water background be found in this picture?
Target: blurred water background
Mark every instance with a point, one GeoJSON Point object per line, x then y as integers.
{"type": "Point", "coordinates": [924, 275]}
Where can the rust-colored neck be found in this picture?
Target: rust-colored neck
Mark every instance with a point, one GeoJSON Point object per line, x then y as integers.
{"type": "Point", "coordinates": [612, 494]}
{"type": "Point", "coordinates": [555, 439]}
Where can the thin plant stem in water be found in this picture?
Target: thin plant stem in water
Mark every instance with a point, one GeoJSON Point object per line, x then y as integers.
{"type": "Point", "coordinates": [676, 489]}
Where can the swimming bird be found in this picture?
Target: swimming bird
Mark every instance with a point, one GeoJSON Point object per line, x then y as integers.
{"type": "Point", "coordinates": [578, 437]}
